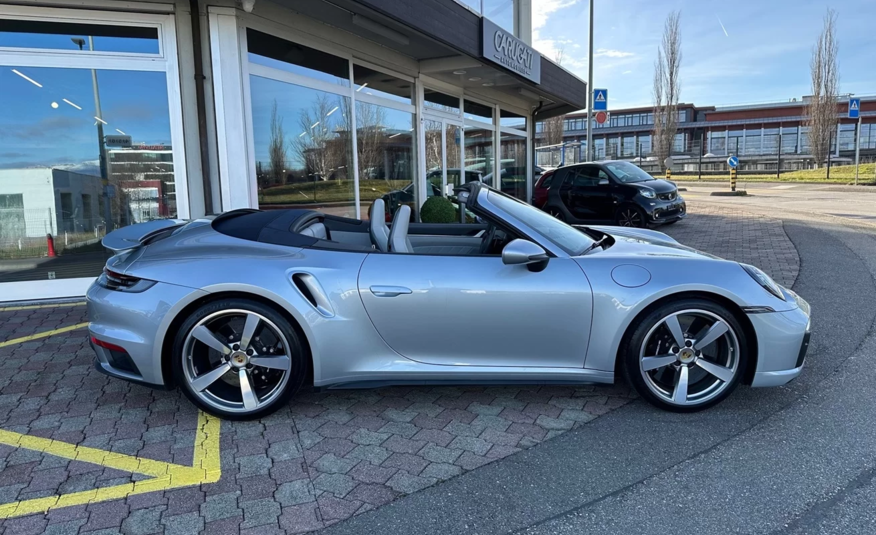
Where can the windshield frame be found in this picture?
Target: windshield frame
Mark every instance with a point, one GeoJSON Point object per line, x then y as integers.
{"type": "Point", "coordinates": [644, 176]}
{"type": "Point", "coordinates": [498, 211]}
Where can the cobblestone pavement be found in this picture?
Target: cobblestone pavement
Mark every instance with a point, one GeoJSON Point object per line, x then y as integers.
{"type": "Point", "coordinates": [320, 460]}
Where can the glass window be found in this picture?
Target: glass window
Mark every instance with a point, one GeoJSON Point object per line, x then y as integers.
{"type": "Point", "coordinates": [478, 112]}
{"type": "Point", "coordinates": [734, 142]}
{"type": "Point", "coordinates": [569, 239]}
{"type": "Point", "coordinates": [752, 142]}
{"type": "Point", "coordinates": [645, 145]}
{"type": "Point", "coordinates": [78, 36]}
{"type": "Point", "coordinates": [385, 144]}
{"type": "Point", "coordinates": [512, 150]}
{"type": "Point", "coordinates": [437, 100]}
{"type": "Point", "coordinates": [613, 120]}
{"type": "Point", "coordinates": [805, 148]}
{"type": "Point", "coordinates": [847, 136]}
{"type": "Point", "coordinates": [718, 142]}
{"type": "Point", "coordinates": [58, 178]}
{"type": "Point", "coordinates": [789, 140]}
{"type": "Point", "coordinates": [627, 172]}
{"type": "Point", "coordinates": [371, 82]}
{"type": "Point", "coordinates": [479, 151]}
{"type": "Point", "coordinates": [770, 141]}
{"type": "Point", "coordinates": [629, 146]}
{"type": "Point", "coordinates": [303, 147]}
{"type": "Point", "coordinates": [501, 12]}
{"type": "Point", "coordinates": [292, 57]}
{"type": "Point", "coordinates": [599, 148]}
{"type": "Point", "coordinates": [612, 151]}
{"type": "Point", "coordinates": [679, 144]}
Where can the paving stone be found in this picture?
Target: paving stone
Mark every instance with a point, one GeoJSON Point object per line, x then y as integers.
{"type": "Point", "coordinates": [435, 436]}
{"type": "Point", "coordinates": [470, 461]}
{"type": "Point", "coordinates": [406, 430]}
{"type": "Point", "coordinates": [438, 454]}
{"type": "Point", "coordinates": [399, 444]}
{"type": "Point", "coordinates": [70, 527]}
{"type": "Point", "coordinates": [406, 483]}
{"type": "Point", "coordinates": [372, 454]}
{"type": "Point", "coordinates": [220, 506]}
{"type": "Point", "coordinates": [27, 525]}
{"type": "Point", "coordinates": [332, 464]}
{"type": "Point", "coordinates": [334, 430]}
{"type": "Point", "coordinates": [368, 473]}
{"type": "Point", "coordinates": [254, 465]}
{"type": "Point", "coordinates": [441, 471]}
{"type": "Point", "coordinates": [143, 521]}
{"type": "Point", "coordinates": [285, 450]}
{"type": "Point", "coordinates": [332, 508]}
{"type": "Point", "coordinates": [373, 494]}
{"type": "Point", "coordinates": [412, 464]}
{"type": "Point", "coordinates": [186, 524]}
{"type": "Point", "coordinates": [227, 526]}
{"type": "Point", "coordinates": [337, 484]}
{"type": "Point", "coordinates": [368, 438]}
{"type": "Point", "coordinates": [299, 518]}
{"type": "Point", "coordinates": [554, 424]}
{"type": "Point", "coordinates": [576, 415]}
{"type": "Point", "coordinates": [263, 512]}
{"type": "Point", "coordinates": [295, 492]}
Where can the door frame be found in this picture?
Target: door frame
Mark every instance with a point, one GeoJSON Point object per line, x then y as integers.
{"type": "Point", "coordinates": [166, 61]}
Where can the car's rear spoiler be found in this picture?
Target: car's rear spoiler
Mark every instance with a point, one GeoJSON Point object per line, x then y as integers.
{"type": "Point", "coordinates": [133, 236]}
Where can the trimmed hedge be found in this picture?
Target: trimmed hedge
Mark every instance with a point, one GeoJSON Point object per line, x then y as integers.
{"type": "Point", "coordinates": [438, 210]}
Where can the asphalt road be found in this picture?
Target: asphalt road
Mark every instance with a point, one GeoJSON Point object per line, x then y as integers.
{"type": "Point", "coordinates": [796, 459]}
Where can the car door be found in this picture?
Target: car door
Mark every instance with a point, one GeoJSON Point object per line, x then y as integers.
{"type": "Point", "coordinates": [591, 194]}
{"type": "Point", "coordinates": [477, 311]}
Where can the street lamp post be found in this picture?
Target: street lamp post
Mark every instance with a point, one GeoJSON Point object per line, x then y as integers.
{"type": "Point", "coordinates": [104, 172]}
{"type": "Point", "coordinates": [590, 90]}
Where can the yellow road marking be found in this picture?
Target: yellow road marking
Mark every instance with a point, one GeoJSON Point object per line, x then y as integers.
{"type": "Point", "coordinates": [43, 335]}
{"type": "Point", "coordinates": [206, 468]}
{"type": "Point", "coordinates": [30, 307]}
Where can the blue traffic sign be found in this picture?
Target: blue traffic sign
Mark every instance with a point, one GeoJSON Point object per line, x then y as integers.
{"type": "Point", "coordinates": [733, 162]}
{"type": "Point", "coordinates": [854, 108]}
{"type": "Point", "coordinates": [600, 99]}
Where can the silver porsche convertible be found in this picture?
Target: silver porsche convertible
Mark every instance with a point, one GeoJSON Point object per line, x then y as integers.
{"type": "Point", "coordinates": [242, 310]}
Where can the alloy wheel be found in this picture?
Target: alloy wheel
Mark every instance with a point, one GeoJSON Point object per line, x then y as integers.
{"type": "Point", "coordinates": [689, 357]}
{"type": "Point", "coordinates": [236, 361]}
{"type": "Point", "coordinates": [630, 217]}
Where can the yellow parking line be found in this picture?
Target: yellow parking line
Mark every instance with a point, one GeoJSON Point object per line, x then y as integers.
{"type": "Point", "coordinates": [43, 334]}
{"type": "Point", "coordinates": [30, 307]}
{"type": "Point", "coordinates": [206, 468]}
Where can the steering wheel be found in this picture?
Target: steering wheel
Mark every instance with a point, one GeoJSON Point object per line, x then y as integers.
{"type": "Point", "coordinates": [487, 243]}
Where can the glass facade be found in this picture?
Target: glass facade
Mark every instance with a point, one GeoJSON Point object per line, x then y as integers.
{"type": "Point", "coordinates": [86, 149]}
{"type": "Point", "coordinates": [385, 144]}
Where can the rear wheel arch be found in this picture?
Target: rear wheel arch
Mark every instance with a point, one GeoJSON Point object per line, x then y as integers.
{"type": "Point", "coordinates": [732, 307]}
{"type": "Point", "coordinates": [189, 309]}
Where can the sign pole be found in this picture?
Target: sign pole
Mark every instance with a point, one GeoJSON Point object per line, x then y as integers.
{"type": "Point", "coordinates": [590, 90]}
{"type": "Point", "coordinates": [857, 149]}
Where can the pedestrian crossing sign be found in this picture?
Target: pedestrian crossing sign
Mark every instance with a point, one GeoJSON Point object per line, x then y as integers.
{"type": "Point", "coordinates": [600, 99]}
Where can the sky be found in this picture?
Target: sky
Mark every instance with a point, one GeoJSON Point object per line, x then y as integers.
{"type": "Point", "coordinates": [740, 52]}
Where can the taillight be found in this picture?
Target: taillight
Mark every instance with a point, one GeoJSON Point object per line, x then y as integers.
{"type": "Point", "coordinates": [113, 280]}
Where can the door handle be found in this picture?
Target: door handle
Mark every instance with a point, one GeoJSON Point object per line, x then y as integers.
{"type": "Point", "coordinates": [389, 291]}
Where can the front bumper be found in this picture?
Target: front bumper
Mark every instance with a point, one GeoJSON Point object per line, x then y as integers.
{"type": "Point", "coordinates": [660, 212]}
{"type": "Point", "coordinates": [136, 323]}
{"type": "Point", "coordinates": [783, 341]}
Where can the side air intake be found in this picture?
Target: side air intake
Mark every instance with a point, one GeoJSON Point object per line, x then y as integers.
{"type": "Point", "coordinates": [310, 289]}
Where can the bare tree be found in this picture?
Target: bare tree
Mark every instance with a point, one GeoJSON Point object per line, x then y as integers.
{"type": "Point", "coordinates": [821, 110]}
{"type": "Point", "coordinates": [371, 138]}
{"type": "Point", "coordinates": [277, 148]}
{"type": "Point", "coordinates": [667, 88]}
{"type": "Point", "coordinates": [552, 133]}
{"type": "Point", "coordinates": [319, 148]}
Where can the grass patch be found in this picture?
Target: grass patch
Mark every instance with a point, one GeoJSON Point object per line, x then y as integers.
{"type": "Point", "coordinates": [328, 191]}
{"type": "Point", "coordinates": [839, 174]}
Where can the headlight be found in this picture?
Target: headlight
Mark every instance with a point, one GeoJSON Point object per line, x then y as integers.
{"type": "Point", "coordinates": [647, 193]}
{"type": "Point", "coordinates": [764, 280]}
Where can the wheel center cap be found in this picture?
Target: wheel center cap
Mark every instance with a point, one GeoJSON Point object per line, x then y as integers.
{"type": "Point", "coordinates": [686, 355]}
{"type": "Point", "coordinates": [238, 359]}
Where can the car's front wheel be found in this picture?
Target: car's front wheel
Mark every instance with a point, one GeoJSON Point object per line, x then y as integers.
{"type": "Point", "coordinates": [238, 359]}
{"type": "Point", "coordinates": [685, 355]}
{"type": "Point", "coordinates": [630, 216]}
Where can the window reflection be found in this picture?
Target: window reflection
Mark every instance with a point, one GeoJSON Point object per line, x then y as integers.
{"type": "Point", "coordinates": [385, 142]}
{"type": "Point", "coordinates": [371, 82]}
{"type": "Point", "coordinates": [479, 151]}
{"type": "Point", "coordinates": [437, 100]}
{"type": "Point", "coordinates": [513, 165]}
{"type": "Point", "coordinates": [52, 179]}
{"type": "Point", "coordinates": [75, 36]}
{"type": "Point", "coordinates": [292, 57]}
{"type": "Point", "coordinates": [303, 147]}
{"type": "Point", "coordinates": [509, 119]}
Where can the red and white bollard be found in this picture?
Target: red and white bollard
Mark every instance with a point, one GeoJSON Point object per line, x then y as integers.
{"type": "Point", "coordinates": [50, 243]}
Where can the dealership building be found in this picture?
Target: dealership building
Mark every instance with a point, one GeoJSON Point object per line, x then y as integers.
{"type": "Point", "coordinates": [116, 112]}
{"type": "Point", "coordinates": [762, 135]}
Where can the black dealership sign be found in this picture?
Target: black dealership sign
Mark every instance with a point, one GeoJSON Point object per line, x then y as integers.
{"type": "Point", "coordinates": [500, 46]}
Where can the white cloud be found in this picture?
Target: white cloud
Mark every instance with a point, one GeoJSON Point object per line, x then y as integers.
{"type": "Point", "coordinates": [609, 53]}
{"type": "Point", "coordinates": [548, 46]}
{"type": "Point", "coordinates": [626, 72]}
{"type": "Point", "coordinates": [542, 9]}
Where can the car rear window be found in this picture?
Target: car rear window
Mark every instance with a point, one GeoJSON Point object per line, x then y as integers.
{"type": "Point", "coordinates": [546, 180]}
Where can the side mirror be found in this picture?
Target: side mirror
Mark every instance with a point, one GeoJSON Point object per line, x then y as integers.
{"type": "Point", "coordinates": [603, 181]}
{"type": "Point", "coordinates": [524, 252]}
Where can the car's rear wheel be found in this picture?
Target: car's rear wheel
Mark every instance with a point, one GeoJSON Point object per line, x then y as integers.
{"type": "Point", "coordinates": [630, 216]}
{"type": "Point", "coordinates": [238, 359]}
{"type": "Point", "coordinates": [685, 355]}
{"type": "Point", "coordinates": [556, 212]}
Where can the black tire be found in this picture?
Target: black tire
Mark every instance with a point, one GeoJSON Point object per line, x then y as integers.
{"type": "Point", "coordinates": [630, 215]}
{"type": "Point", "coordinates": [632, 347]}
{"type": "Point", "coordinates": [298, 358]}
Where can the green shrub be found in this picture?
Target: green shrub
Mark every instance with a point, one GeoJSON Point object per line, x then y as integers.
{"type": "Point", "coordinates": [438, 210]}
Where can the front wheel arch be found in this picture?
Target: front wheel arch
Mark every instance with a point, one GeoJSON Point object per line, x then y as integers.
{"type": "Point", "coordinates": [188, 310]}
{"type": "Point", "coordinates": [733, 308]}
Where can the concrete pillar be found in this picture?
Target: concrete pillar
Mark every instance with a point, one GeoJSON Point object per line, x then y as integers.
{"type": "Point", "coordinates": [523, 20]}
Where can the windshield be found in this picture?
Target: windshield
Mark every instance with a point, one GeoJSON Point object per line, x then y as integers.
{"type": "Point", "coordinates": [570, 240]}
{"type": "Point", "coordinates": [627, 172]}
